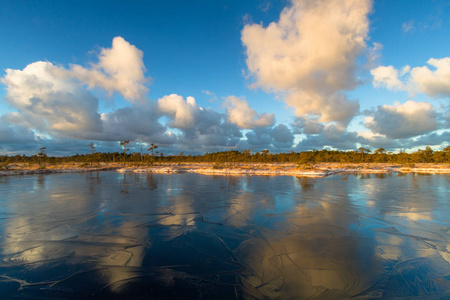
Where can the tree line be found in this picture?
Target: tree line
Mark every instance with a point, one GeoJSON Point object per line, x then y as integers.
{"type": "Point", "coordinates": [361, 155]}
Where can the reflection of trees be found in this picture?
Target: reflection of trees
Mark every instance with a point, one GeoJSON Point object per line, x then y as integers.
{"type": "Point", "coordinates": [232, 180]}
{"type": "Point", "coordinates": [94, 180]}
{"type": "Point", "coordinates": [363, 175]}
{"type": "Point", "coordinates": [40, 180]}
{"type": "Point", "coordinates": [151, 182]}
{"type": "Point", "coordinates": [345, 176]}
{"type": "Point", "coordinates": [4, 179]}
{"type": "Point", "coordinates": [381, 175]}
{"type": "Point", "coordinates": [306, 183]}
{"type": "Point", "coordinates": [124, 186]}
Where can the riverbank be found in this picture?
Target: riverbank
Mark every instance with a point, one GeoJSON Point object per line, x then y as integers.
{"type": "Point", "coordinates": [261, 169]}
{"type": "Point", "coordinates": [288, 169]}
{"type": "Point", "coordinates": [27, 169]}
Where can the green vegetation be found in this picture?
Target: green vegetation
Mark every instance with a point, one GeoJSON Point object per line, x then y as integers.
{"type": "Point", "coordinates": [303, 159]}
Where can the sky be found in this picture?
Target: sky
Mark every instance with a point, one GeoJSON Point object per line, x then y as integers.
{"type": "Point", "coordinates": [205, 76]}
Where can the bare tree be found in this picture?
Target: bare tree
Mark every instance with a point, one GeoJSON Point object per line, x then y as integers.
{"type": "Point", "coordinates": [124, 144]}
{"type": "Point", "coordinates": [41, 156]}
{"type": "Point", "coordinates": [152, 148]}
{"type": "Point", "coordinates": [92, 146]}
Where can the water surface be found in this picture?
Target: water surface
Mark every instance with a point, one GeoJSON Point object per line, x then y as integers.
{"type": "Point", "coordinates": [187, 236]}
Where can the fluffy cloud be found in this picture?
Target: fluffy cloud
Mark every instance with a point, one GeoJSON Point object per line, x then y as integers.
{"type": "Point", "coordinates": [241, 114]}
{"type": "Point", "coordinates": [325, 108]}
{"type": "Point", "coordinates": [334, 136]}
{"type": "Point", "coordinates": [215, 136]}
{"type": "Point", "coordinates": [201, 128]}
{"type": "Point", "coordinates": [331, 136]}
{"type": "Point", "coordinates": [369, 139]}
{"type": "Point", "coordinates": [432, 139]}
{"type": "Point", "coordinates": [403, 120]}
{"type": "Point", "coordinates": [55, 108]}
{"type": "Point", "coordinates": [282, 136]}
{"type": "Point", "coordinates": [376, 141]}
{"type": "Point", "coordinates": [15, 134]}
{"type": "Point", "coordinates": [386, 77]}
{"type": "Point", "coordinates": [310, 54]}
{"type": "Point", "coordinates": [307, 126]}
{"type": "Point", "coordinates": [53, 101]}
{"type": "Point", "coordinates": [434, 83]}
{"type": "Point", "coordinates": [136, 123]}
{"type": "Point", "coordinates": [182, 112]}
{"type": "Point", "coordinates": [50, 103]}
{"type": "Point", "coordinates": [119, 69]}
{"type": "Point", "coordinates": [279, 137]}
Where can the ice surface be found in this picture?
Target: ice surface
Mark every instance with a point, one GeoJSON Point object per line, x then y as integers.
{"type": "Point", "coordinates": [187, 236]}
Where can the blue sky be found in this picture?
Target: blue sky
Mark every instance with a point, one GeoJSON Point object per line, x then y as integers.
{"type": "Point", "coordinates": [322, 74]}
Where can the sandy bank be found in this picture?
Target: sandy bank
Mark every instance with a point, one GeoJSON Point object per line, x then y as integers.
{"type": "Point", "coordinates": [269, 169]}
{"type": "Point", "coordinates": [24, 169]}
{"type": "Point", "coordinates": [286, 169]}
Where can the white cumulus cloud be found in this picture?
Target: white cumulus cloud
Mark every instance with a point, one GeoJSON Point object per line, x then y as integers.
{"type": "Point", "coordinates": [201, 128]}
{"type": "Point", "coordinates": [331, 135]}
{"type": "Point", "coordinates": [137, 123]}
{"type": "Point", "coordinates": [433, 82]}
{"type": "Point", "coordinates": [386, 77]}
{"type": "Point", "coordinates": [50, 103]}
{"type": "Point", "coordinates": [310, 54]}
{"type": "Point", "coordinates": [182, 112]}
{"type": "Point", "coordinates": [240, 113]}
{"type": "Point", "coordinates": [277, 138]}
{"type": "Point", "coordinates": [119, 69]}
{"type": "Point", "coordinates": [403, 120]}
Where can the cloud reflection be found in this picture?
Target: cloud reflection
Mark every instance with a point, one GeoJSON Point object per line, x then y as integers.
{"type": "Point", "coordinates": [223, 237]}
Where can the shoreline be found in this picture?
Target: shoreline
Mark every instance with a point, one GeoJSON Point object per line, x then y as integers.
{"type": "Point", "coordinates": [290, 169]}
{"type": "Point", "coordinates": [76, 169]}
{"type": "Point", "coordinates": [238, 169]}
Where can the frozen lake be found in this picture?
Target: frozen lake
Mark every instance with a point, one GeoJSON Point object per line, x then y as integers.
{"type": "Point", "coordinates": [186, 236]}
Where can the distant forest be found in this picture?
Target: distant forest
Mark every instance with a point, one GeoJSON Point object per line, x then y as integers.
{"type": "Point", "coordinates": [362, 155]}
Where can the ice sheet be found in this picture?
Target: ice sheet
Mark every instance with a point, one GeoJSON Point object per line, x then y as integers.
{"type": "Point", "coordinates": [188, 236]}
